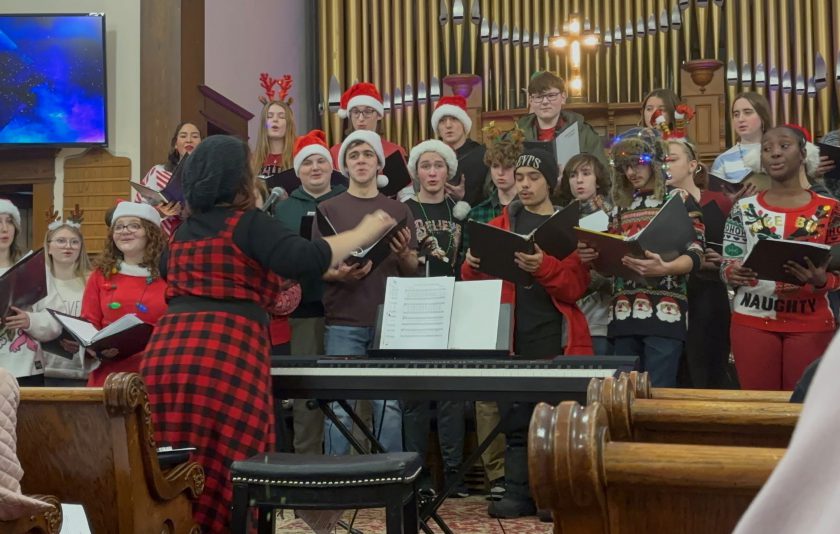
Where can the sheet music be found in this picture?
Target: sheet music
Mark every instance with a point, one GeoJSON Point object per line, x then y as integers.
{"type": "Point", "coordinates": [597, 221]}
{"type": "Point", "coordinates": [416, 313]}
{"type": "Point", "coordinates": [475, 307]}
{"type": "Point", "coordinates": [567, 144]}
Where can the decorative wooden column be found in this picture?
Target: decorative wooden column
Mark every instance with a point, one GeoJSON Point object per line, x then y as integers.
{"type": "Point", "coordinates": [171, 69]}
{"type": "Point", "coordinates": [704, 89]}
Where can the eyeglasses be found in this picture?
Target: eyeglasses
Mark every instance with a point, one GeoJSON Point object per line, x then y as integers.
{"type": "Point", "coordinates": [63, 242]}
{"type": "Point", "coordinates": [367, 112]}
{"type": "Point", "coordinates": [130, 227]}
{"type": "Point", "coordinates": [551, 97]}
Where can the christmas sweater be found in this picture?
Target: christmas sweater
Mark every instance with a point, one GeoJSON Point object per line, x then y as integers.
{"type": "Point", "coordinates": [658, 310]}
{"type": "Point", "coordinates": [778, 306]}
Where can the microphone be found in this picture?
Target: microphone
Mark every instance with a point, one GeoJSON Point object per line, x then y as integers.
{"type": "Point", "coordinates": [277, 194]}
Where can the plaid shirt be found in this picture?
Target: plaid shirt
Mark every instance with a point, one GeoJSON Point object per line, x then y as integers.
{"type": "Point", "coordinates": [485, 211]}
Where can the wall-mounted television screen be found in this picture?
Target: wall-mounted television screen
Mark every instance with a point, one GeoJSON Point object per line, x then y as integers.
{"type": "Point", "coordinates": [53, 80]}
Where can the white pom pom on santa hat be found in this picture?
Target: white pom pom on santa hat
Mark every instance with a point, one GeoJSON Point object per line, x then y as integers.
{"type": "Point", "coordinates": [461, 210]}
{"type": "Point", "coordinates": [381, 181]}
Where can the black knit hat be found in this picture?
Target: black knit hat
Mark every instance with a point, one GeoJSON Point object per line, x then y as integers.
{"type": "Point", "coordinates": [541, 160]}
{"type": "Point", "coordinates": [213, 173]}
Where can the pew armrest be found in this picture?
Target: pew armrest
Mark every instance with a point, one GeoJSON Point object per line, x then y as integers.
{"type": "Point", "coordinates": [125, 395]}
{"type": "Point", "coordinates": [48, 522]}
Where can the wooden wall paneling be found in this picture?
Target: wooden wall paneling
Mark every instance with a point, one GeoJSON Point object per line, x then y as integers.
{"type": "Point", "coordinates": [35, 168]}
{"type": "Point", "coordinates": [94, 181]}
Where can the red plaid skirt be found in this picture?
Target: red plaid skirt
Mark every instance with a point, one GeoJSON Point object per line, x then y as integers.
{"type": "Point", "coordinates": [209, 382]}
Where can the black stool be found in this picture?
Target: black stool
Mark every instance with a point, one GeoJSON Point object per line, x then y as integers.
{"type": "Point", "coordinates": [316, 482]}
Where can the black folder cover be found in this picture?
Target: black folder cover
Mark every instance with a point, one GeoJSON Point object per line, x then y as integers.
{"type": "Point", "coordinates": [128, 342]}
{"type": "Point", "coordinates": [832, 152]}
{"type": "Point", "coordinates": [768, 257]}
{"type": "Point", "coordinates": [25, 283]}
{"type": "Point", "coordinates": [397, 173]}
{"type": "Point", "coordinates": [376, 253]}
{"type": "Point", "coordinates": [668, 234]}
{"type": "Point", "coordinates": [496, 247]}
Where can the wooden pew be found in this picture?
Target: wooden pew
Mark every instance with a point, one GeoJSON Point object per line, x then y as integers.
{"type": "Point", "coordinates": [758, 424]}
{"type": "Point", "coordinates": [96, 447]}
{"type": "Point", "coordinates": [595, 485]}
{"type": "Point", "coordinates": [639, 385]}
{"type": "Point", "coordinates": [48, 522]}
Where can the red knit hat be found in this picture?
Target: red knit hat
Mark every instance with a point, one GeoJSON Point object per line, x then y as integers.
{"type": "Point", "coordinates": [452, 106]}
{"type": "Point", "coordinates": [360, 94]}
{"type": "Point", "coordinates": [314, 142]}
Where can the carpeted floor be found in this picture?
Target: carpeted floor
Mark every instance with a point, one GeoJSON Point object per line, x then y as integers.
{"type": "Point", "coordinates": [463, 516]}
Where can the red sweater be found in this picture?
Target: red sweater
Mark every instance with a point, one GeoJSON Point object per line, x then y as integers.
{"type": "Point", "coordinates": [564, 280]}
{"type": "Point", "coordinates": [127, 290]}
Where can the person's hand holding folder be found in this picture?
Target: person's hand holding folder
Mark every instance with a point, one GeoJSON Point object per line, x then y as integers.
{"type": "Point", "coordinates": [529, 262]}
{"type": "Point", "coordinates": [738, 275]}
{"type": "Point", "coordinates": [20, 319]}
{"type": "Point", "coordinates": [347, 272]}
{"type": "Point", "coordinates": [170, 209]}
{"type": "Point", "coordinates": [808, 273]}
{"type": "Point", "coordinates": [587, 253]}
{"type": "Point", "coordinates": [651, 265]}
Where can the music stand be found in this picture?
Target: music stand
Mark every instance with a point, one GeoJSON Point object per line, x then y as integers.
{"type": "Point", "coordinates": [504, 343]}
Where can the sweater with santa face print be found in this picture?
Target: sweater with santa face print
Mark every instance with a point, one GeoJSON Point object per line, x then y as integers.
{"type": "Point", "coordinates": [778, 306]}
{"type": "Point", "coordinates": [658, 309]}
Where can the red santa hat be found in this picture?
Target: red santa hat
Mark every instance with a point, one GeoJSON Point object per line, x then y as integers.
{"type": "Point", "coordinates": [136, 209]}
{"type": "Point", "coordinates": [360, 94]}
{"type": "Point", "coordinates": [371, 138]}
{"type": "Point", "coordinates": [314, 142]}
{"type": "Point", "coordinates": [669, 300]}
{"type": "Point", "coordinates": [452, 106]}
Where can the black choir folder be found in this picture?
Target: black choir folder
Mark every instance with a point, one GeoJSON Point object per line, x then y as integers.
{"type": "Point", "coordinates": [25, 283]}
{"type": "Point", "coordinates": [150, 196]}
{"type": "Point", "coordinates": [668, 234]}
{"type": "Point", "coordinates": [128, 334]}
{"type": "Point", "coordinates": [440, 318]}
{"type": "Point", "coordinates": [375, 253]}
{"type": "Point", "coordinates": [832, 152]}
{"type": "Point", "coordinates": [397, 172]}
{"type": "Point", "coordinates": [768, 257]}
{"type": "Point", "coordinates": [495, 247]}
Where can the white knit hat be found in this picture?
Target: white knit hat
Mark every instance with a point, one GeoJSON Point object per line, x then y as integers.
{"type": "Point", "coordinates": [135, 209]}
{"type": "Point", "coordinates": [6, 206]}
{"type": "Point", "coordinates": [452, 106]}
{"type": "Point", "coordinates": [371, 138]}
{"type": "Point", "coordinates": [438, 147]}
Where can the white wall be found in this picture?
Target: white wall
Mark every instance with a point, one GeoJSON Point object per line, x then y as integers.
{"type": "Point", "coordinates": [122, 51]}
{"type": "Point", "coordinates": [247, 37]}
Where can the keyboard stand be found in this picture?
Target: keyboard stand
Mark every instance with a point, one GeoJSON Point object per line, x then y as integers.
{"type": "Point", "coordinates": [429, 508]}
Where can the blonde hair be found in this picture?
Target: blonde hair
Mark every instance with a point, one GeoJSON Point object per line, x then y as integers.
{"type": "Point", "coordinates": [262, 148]}
{"type": "Point", "coordinates": [701, 175]}
{"type": "Point", "coordinates": [83, 266]}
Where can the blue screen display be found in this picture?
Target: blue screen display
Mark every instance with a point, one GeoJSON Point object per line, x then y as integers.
{"type": "Point", "coordinates": [52, 80]}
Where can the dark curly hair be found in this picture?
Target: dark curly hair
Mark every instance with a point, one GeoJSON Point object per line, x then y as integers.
{"type": "Point", "coordinates": [563, 192]}
{"type": "Point", "coordinates": [110, 257]}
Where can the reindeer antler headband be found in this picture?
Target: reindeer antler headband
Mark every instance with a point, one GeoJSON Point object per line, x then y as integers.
{"type": "Point", "coordinates": [75, 218]}
{"type": "Point", "coordinates": [282, 94]}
